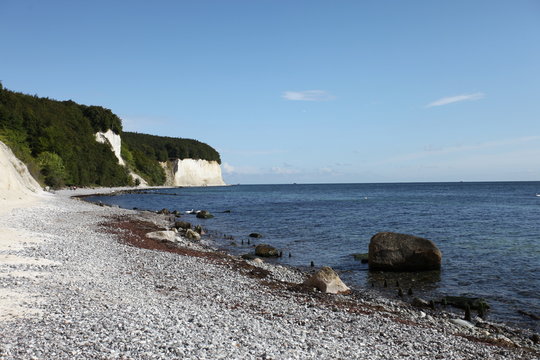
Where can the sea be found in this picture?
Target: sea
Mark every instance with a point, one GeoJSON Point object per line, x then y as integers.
{"type": "Point", "coordinates": [488, 233]}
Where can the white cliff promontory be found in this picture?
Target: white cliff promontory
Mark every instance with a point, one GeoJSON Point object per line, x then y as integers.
{"type": "Point", "coordinates": [186, 172]}
{"type": "Point", "coordinates": [114, 141]}
{"type": "Point", "coordinates": [15, 181]}
{"type": "Point", "coordinates": [191, 172]}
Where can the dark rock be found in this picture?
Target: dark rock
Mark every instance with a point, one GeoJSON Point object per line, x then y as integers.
{"type": "Point", "coordinates": [363, 258]}
{"type": "Point", "coordinates": [401, 252]}
{"type": "Point", "coordinates": [420, 303]}
{"type": "Point", "coordinates": [265, 250]}
{"type": "Point", "coordinates": [462, 302]}
{"type": "Point", "coordinates": [176, 213]}
{"type": "Point", "coordinates": [182, 225]}
{"type": "Point", "coordinates": [467, 316]}
{"type": "Point", "coordinates": [227, 211]}
{"type": "Point", "coordinates": [164, 211]}
{"type": "Point", "coordinates": [531, 315]}
{"type": "Point", "coordinates": [255, 235]}
{"type": "Point", "coordinates": [535, 338]}
{"type": "Point", "coordinates": [203, 214]}
{"type": "Point", "coordinates": [249, 257]}
{"type": "Point", "coordinates": [199, 229]}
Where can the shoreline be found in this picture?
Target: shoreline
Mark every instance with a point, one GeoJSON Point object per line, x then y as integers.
{"type": "Point", "coordinates": [96, 285]}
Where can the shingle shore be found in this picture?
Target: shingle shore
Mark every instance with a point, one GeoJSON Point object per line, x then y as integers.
{"type": "Point", "coordinates": [103, 299]}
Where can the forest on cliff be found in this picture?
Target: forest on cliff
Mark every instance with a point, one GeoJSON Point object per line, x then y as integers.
{"type": "Point", "coordinates": [56, 140]}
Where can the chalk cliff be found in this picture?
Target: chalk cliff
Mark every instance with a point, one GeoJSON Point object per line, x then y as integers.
{"type": "Point", "coordinates": [114, 141]}
{"type": "Point", "coordinates": [15, 180]}
{"type": "Point", "coordinates": [186, 172]}
{"type": "Point", "coordinates": [191, 172]}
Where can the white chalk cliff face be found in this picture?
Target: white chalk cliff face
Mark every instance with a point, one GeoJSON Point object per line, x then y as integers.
{"type": "Point", "coordinates": [15, 180]}
{"type": "Point", "coordinates": [190, 172]}
{"type": "Point", "coordinates": [114, 142]}
{"type": "Point", "coordinates": [187, 172]}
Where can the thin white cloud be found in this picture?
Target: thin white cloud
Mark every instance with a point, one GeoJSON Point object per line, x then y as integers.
{"type": "Point", "coordinates": [307, 95]}
{"type": "Point", "coordinates": [228, 168]}
{"type": "Point", "coordinates": [431, 150]}
{"type": "Point", "coordinates": [457, 98]}
{"type": "Point", "coordinates": [284, 170]}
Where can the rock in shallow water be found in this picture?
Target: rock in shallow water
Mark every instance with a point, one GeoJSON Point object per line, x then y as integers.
{"type": "Point", "coordinates": [401, 252]}
{"type": "Point", "coordinates": [266, 251]}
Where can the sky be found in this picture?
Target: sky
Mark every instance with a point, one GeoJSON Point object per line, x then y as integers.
{"type": "Point", "coordinates": [300, 91]}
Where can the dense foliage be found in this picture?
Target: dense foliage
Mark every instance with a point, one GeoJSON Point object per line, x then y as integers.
{"type": "Point", "coordinates": [163, 148]}
{"type": "Point", "coordinates": [56, 140]}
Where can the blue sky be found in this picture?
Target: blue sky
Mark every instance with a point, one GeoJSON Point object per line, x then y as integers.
{"type": "Point", "coordinates": [300, 91]}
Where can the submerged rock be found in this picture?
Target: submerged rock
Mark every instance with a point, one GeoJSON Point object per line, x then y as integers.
{"type": "Point", "coordinates": [266, 251]}
{"type": "Point", "coordinates": [255, 235]}
{"type": "Point", "coordinates": [462, 302]}
{"type": "Point", "coordinates": [401, 252]}
{"type": "Point", "coordinates": [363, 258]}
{"type": "Point", "coordinates": [327, 280]}
{"type": "Point", "coordinates": [203, 214]}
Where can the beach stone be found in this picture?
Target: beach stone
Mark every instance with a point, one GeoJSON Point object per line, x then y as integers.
{"type": "Point", "coordinates": [203, 214]}
{"type": "Point", "coordinates": [258, 261]}
{"type": "Point", "coordinates": [193, 235]}
{"type": "Point", "coordinates": [402, 252]}
{"type": "Point", "coordinates": [182, 225]}
{"type": "Point", "coordinates": [420, 303]}
{"type": "Point", "coordinates": [327, 281]}
{"type": "Point", "coordinates": [162, 235]}
{"type": "Point", "coordinates": [462, 323]}
{"type": "Point", "coordinates": [265, 250]}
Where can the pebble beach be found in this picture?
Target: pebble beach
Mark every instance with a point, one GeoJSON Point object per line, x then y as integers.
{"type": "Point", "coordinates": [73, 286]}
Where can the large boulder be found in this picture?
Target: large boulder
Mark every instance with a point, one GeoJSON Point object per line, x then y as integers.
{"type": "Point", "coordinates": [265, 250]}
{"type": "Point", "coordinates": [328, 281]}
{"type": "Point", "coordinates": [401, 252]}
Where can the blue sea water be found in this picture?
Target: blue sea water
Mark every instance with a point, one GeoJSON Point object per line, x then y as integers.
{"type": "Point", "coordinates": [489, 233]}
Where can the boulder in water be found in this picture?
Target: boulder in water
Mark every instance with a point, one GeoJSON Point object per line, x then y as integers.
{"type": "Point", "coordinates": [401, 252]}
{"type": "Point", "coordinates": [265, 250]}
{"type": "Point", "coordinates": [255, 235]}
{"type": "Point", "coordinates": [462, 302]}
{"type": "Point", "coordinates": [203, 214]}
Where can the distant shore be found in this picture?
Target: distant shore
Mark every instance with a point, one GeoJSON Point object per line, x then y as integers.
{"type": "Point", "coordinates": [85, 282]}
